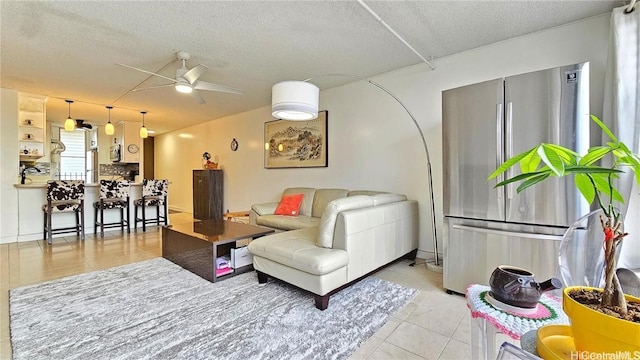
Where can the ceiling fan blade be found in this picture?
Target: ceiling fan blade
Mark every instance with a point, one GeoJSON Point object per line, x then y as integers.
{"type": "Point", "coordinates": [203, 85]}
{"type": "Point", "coordinates": [153, 87]}
{"type": "Point", "coordinates": [148, 72]}
{"type": "Point", "coordinates": [196, 95]}
{"type": "Point", "coordinates": [193, 74]}
{"type": "Point", "coordinates": [81, 124]}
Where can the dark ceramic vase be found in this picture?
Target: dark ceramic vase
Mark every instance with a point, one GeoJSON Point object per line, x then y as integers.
{"type": "Point", "coordinates": [517, 287]}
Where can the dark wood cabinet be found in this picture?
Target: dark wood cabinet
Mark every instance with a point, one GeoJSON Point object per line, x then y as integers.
{"type": "Point", "coordinates": [207, 194]}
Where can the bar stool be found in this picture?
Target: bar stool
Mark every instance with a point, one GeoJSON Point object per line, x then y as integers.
{"type": "Point", "coordinates": [154, 193]}
{"type": "Point", "coordinates": [114, 194]}
{"type": "Point", "coordinates": [64, 196]}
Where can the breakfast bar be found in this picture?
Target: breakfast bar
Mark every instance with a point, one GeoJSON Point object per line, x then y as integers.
{"type": "Point", "coordinates": [32, 196]}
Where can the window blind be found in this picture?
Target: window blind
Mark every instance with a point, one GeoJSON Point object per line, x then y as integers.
{"type": "Point", "coordinates": [72, 160]}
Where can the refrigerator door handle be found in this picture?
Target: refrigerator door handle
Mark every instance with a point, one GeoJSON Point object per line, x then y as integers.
{"type": "Point", "coordinates": [509, 233]}
{"type": "Point", "coordinates": [509, 136]}
{"type": "Point", "coordinates": [500, 144]}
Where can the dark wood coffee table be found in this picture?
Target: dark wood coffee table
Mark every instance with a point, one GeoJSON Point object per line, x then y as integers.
{"type": "Point", "coordinates": [195, 246]}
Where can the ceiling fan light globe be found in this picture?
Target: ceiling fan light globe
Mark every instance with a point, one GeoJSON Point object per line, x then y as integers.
{"type": "Point", "coordinates": [184, 88]}
{"type": "Point", "coordinates": [69, 124]}
{"type": "Point", "coordinates": [109, 129]}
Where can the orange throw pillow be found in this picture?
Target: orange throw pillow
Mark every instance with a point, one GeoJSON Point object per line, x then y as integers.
{"type": "Point", "coordinates": [289, 205]}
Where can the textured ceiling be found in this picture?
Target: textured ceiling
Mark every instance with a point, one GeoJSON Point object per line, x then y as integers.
{"type": "Point", "coordinates": [70, 50]}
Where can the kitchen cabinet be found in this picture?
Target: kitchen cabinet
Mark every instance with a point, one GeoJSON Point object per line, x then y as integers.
{"type": "Point", "coordinates": [207, 194]}
{"type": "Point", "coordinates": [31, 126]}
{"type": "Point", "coordinates": [127, 136]}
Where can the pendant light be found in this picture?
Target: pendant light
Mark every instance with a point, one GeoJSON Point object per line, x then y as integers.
{"type": "Point", "coordinates": [108, 129]}
{"type": "Point", "coordinates": [295, 100]}
{"type": "Point", "coordinates": [143, 130]}
{"type": "Point", "coordinates": [69, 124]}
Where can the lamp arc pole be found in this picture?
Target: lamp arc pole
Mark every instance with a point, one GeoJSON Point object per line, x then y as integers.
{"type": "Point", "coordinates": [434, 232]}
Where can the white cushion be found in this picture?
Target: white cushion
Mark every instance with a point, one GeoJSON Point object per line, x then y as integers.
{"type": "Point", "coordinates": [296, 249]}
{"type": "Point", "coordinates": [323, 197]}
{"type": "Point", "coordinates": [287, 222]}
{"type": "Point", "coordinates": [328, 220]}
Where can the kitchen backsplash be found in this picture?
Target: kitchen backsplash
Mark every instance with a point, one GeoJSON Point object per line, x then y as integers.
{"type": "Point", "coordinates": [118, 170]}
{"type": "Point", "coordinates": [44, 167]}
{"type": "Point", "coordinates": [106, 170]}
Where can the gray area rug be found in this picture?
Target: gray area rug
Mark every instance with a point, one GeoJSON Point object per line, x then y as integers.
{"type": "Point", "coordinates": [156, 310]}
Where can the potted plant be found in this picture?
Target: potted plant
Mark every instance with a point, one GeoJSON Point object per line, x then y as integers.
{"type": "Point", "coordinates": [592, 328]}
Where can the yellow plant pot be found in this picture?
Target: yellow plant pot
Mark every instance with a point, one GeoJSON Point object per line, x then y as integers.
{"type": "Point", "coordinates": [599, 333]}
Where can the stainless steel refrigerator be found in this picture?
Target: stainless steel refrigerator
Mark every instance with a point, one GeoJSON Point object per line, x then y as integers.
{"type": "Point", "coordinates": [483, 125]}
{"type": "Point", "coordinates": [92, 166]}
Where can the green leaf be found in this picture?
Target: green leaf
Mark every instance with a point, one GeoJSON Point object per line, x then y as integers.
{"type": "Point", "coordinates": [585, 187]}
{"type": "Point", "coordinates": [604, 128]}
{"type": "Point", "coordinates": [532, 181]}
{"type": "Point", "coordinates": [636, 170]}
{"type": "Point", "coordinates": [567, 155]}
{"type": "Point", "coordinates": [594, 154]}
{"type": "Point", "coordinates": [520, 177]}
{"type": "Point", "coordinates": [552, 159]}
{"type": "Point", "coordinates": [619, 153]}
{"type": "Point", "coordinates": [530, 162]}
{"type": "Point", "coordinates": [591, 169]}
{"type": "Point", "coordinates": [630, 160]}
{"type": "Point", "coordinates": [562, 149]}
{"type": "Point", "coordinates": [617, 196]}
{"type": "Point", "coordinates": [603, 186]}
{"type": "Point", "coordinates": [625, 148]}
{"type": "Point", "coordinates": [509, 163]}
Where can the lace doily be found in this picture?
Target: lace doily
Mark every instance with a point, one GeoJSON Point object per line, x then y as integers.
{"type": "Point", "coordinates": [549, 311]}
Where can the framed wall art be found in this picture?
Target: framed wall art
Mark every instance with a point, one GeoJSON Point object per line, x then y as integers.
{"type": "Point", "coordinates": [296, 144]}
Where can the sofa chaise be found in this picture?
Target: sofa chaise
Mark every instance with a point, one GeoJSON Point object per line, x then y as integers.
{"type": "Point", "coordinates": [338, 237]}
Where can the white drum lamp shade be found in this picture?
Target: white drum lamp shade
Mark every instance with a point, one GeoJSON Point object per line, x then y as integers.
{"type": "Point", "coordinates": [294, 100]}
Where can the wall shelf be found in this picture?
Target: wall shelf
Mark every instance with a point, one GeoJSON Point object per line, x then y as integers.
{"type": "Point", "coordinates": [31, 126]}
{"type": "Point", "coordinates": [30, 157]}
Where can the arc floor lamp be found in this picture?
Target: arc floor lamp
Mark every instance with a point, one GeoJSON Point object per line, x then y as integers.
{"type": "Point", "coordinates": [298, 100]}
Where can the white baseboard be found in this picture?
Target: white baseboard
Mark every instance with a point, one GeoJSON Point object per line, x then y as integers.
{"type": "Point", "coordinates": [8, 239]}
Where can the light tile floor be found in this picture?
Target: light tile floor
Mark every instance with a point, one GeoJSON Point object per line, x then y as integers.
{"type": "Point", "coordinates": [434, 325]}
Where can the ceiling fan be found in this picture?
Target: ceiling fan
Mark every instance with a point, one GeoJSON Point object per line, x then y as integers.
{"type": "Point", "coordinates": [186, 80]}
{"type": "Point", "coordinates": [80, 124]}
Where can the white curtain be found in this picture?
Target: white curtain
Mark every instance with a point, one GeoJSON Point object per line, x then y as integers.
{"type": "Point", "coordinates": [621, 111]}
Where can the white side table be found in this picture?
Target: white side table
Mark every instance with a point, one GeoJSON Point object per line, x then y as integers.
{"type": "Point", "coordinates": [489, 320]}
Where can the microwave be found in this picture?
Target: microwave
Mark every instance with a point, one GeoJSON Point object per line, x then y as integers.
{"type": "Point", "coordinates": [115, 153]}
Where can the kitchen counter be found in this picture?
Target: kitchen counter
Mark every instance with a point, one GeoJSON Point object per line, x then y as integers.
{"type": "Point", "coordinates": [32, 196]}
{"type": "Point", "coordinates": [42, 185]}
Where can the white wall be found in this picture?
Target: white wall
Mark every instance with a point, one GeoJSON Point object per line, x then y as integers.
{"type": "Point", "coordinates": [372, 142]}
{"type": "Point", "coordinates": [9, 168]}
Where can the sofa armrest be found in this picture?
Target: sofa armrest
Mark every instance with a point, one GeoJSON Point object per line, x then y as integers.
{"type": "Point", "coordinates": [264, 209]}
{"type": "Point", "coordinates": [261, 209]}
{"type": "Point", "coordinates": [377, 235]}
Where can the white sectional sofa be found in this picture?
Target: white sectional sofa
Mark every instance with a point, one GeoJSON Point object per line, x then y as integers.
{"type": "Point", "coordinates": [339, 237]}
